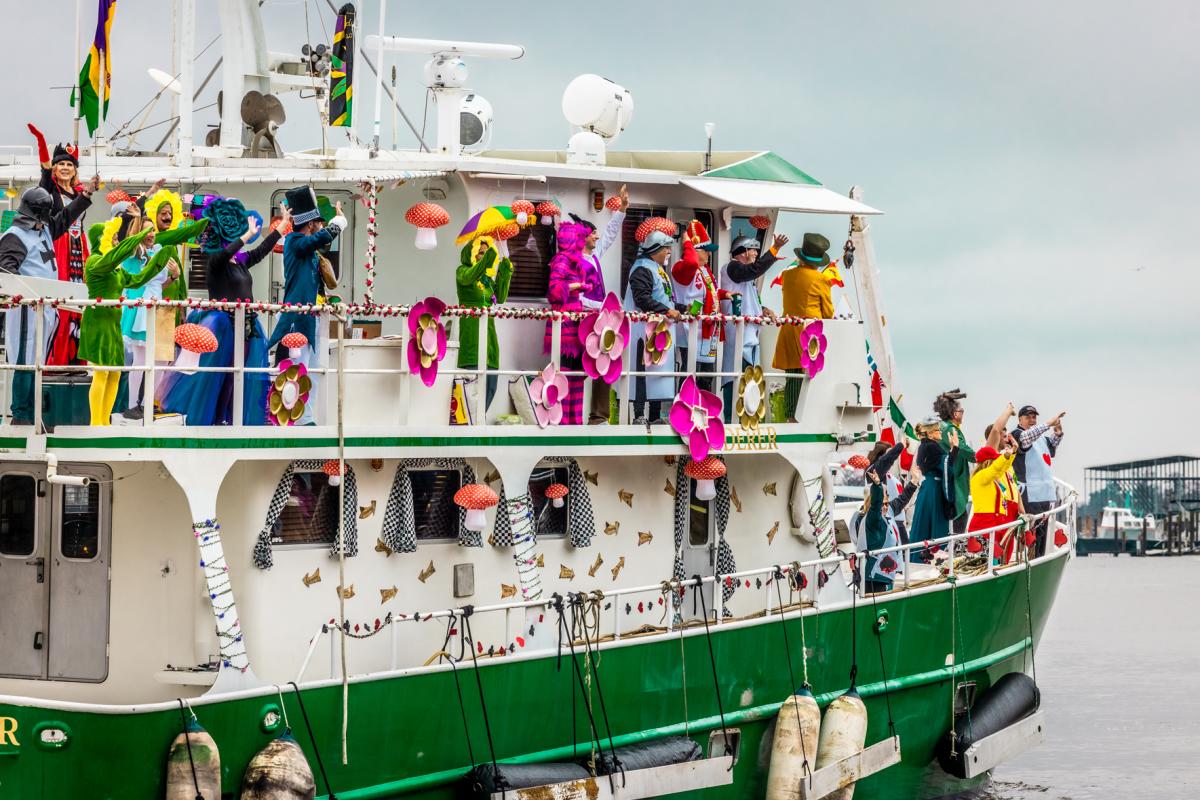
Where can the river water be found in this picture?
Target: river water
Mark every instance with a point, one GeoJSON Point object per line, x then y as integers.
{"type": "Point", "coordinates": [1118, 667]}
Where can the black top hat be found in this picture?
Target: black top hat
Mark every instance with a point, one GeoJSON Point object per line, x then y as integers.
{"type": "Point", "coordinates": [303, 203]}
{"type": "Point", "coordinates": [813, 251]}
{"type": "Point", "coordinates": [65, 152]}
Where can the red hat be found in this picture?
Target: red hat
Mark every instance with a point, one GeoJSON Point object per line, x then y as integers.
{"type": "Point", "coordinates": [986, 453]}
{"type": "Point", "coordinates": [697, 234]}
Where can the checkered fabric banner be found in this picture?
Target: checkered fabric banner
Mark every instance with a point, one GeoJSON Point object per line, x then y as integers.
{"type": "Point", "coordinates": [720, 507]}
{"type": "Point", "coordinates": [263, 558]}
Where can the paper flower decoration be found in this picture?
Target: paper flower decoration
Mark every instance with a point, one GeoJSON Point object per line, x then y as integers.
{"type": "Point", "coordinates": [751, 404]}
{"type": "Point", "coordinates": [289, 393]}
{"type": "Point", "coordinates": [613, 203]}
{"type": "Point", "coordinates": [760, 222]}
{"type": "Point", "coordinates": [604, 334]}
{"type": "Point", "coordinates": [507, 232]}
{"type": "Point", "coordinates": [547, 391]}
{"type": "Point", "coordinates": [295, 342]}
{"type": "Point", "coordinates": [476, 498]}
{"type": "Point", "coordinates": [427, 342]}
{"type": "Point", "coordinates": [812, 348]}
{"type": "Point", "coordinates": [426, 217]}
{"type": "Point", "coordinates": [705, 474]}
{"type": "Point", "coordinates": [696, 417]}
{"type": "Point", "coordinates": [658, 342]}
{"type": "Point", "coordinates": [655, 224]}
{"type": "Point", "coordinates": [556, 493]}
{"type": "Point", "coordinates": [858, 461]}
{"type": "Point", "coordinates": [524, 210]}
{"type": "Point", "coordinates": [333, 470]}
{"type": "Point", "coordinates": [548, 211]}
{"type": "Point", "coordinates": [193, 340]}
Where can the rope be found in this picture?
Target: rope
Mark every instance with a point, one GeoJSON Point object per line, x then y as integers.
{"type": "Point", "coordinates": [712, 659]}
{"type": "Point", "coordinates": [854, 626]}
{"type": "Point", "coordinates": [795, 576]}
{"type": "Point", "coordinates": [557, 605]}
{"type": "Point", "coordinates": [313, 739]}
{"type": "Point", "coordinates": [594, 602]}
{"type": "Point", "coordinates": [287, 726]}
{"type": "Point", "coordinates": [787, 652]}
{"type": "Point", "coordinates": [462, 706]}
{"type": "Point", "coordinates": [953, 661]}
{"type": "Point", "coordinates": [187, 740]}
{"type": "Point", "coordinates": [1029, 614]}
{"type": "Point", "coordinates": [487, 725]}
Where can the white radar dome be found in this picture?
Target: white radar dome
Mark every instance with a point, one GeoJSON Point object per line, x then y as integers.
{"type": "Point", "coordinates": [597, 104]}
{"type": "Point", "coordinates": [586, 147]}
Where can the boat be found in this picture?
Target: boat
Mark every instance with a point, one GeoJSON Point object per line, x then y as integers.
{"type": "Point", "coordinates": [322, 581]}
{"type": "Point", "coordinates": [1121, 531]}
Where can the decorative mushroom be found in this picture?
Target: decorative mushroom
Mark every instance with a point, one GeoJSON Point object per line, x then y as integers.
{"type": "Point", "coordinates": [760, 222]}
{"type": "Point", "coordinates": [548, 211]}
{"type": "Point", "coordinates": [555, 493]}
{"type": "Point", "coordinates": [427, 217]}
{"type": "Point", "coordinates": [476, 498]}
{"type": "Point", "coordinates": [193, 340]}
{"type": "Point", "coordinates": [507, 232]}
{"type": "Point", "coordinates": [858, 461]}
{"type": "Point", "coordinates": [613, 203]}
{"type": "Point", "coordinates": [524, 210]}
{"type": "Point", "coordinates": [334, 470]}
{"type": "Point", "coordinates": [655, 224]}
{"type": "Point", "coordinates": [705, 473]}
{"type": "Point", "coordinates": [294, 342]}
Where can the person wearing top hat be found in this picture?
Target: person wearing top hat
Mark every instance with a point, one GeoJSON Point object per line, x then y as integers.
{"type": "Point", "coordinates": [650, 291]}
{"type": "Point", "coordinates": [740, 278]}
{"type": "Point", "coordinates": [303, 273]}
{"type": "Point", "coordinates": [696, 290]}
{"type": "Point", "coordinates": [807, 294]}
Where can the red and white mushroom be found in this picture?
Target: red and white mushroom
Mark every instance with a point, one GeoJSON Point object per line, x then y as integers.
{"type": "Point", "coordinates": [760, 222]}
{"type": "Point", "coordinates": [524, 210]}
{"type": "Point", "coordinates": [655, 224]}
{"type": "Point", "coordinates": [858, 461]}
{"type": "Point", "coordinates": [555, 493]}
{"type": "Point", "coordinates": [705, 473]}
{"type": "Point", "coordinates": [333, 469]}
{"type": "Point", "coordinates": [548, 211]}
{"type": "Point", "coordinates": [193, 340]}
{"type": "Point", "coordinates": [476, 498]}
{"type": "Point", "coordinates": [506, 232]}
{"type": "Point", "coordinates": [427, 217]}
{"type": "Point", "coordinates": [295, 342]}
{"type": "Point", "coordinates": [613, 203]}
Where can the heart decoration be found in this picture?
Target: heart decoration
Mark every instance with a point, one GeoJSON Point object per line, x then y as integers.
{"type": "Point", "coordinates": [1030, 538]}
{"type": "Point", "coordinates": [1047, 459]}
{"type": "Point", "coordinates": [974, 545]}
{"type": "Point", "coordinates": [888, 564]}
{"type": "Point", "coordinates": [1061, 539]}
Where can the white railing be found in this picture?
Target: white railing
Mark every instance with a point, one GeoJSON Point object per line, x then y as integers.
{"type": "Point", "coordinates": [342, 313]}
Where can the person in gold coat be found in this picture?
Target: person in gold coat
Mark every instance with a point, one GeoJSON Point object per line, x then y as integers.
{"type": "Point", "coordinates": [807, 294]}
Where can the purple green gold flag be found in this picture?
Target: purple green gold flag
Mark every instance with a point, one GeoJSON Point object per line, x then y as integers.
{"type": "Point", "coordinates": [95, 78]}
{"type": "Point", "coordinates": [341, 94]}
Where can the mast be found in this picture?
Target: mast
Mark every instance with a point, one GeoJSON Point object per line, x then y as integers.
{"type": "Point", "coordinates": [874, 319]}
{"type": "Point", "coordinates": [185, 43]}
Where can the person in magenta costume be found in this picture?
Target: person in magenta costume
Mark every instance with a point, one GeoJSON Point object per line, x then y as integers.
{"type": "Point", "coordinates": [565, 291]}
{"type": "Point", "coordinates": [595, 246]}
{"type": "Point", "coordinates": [206, 398]}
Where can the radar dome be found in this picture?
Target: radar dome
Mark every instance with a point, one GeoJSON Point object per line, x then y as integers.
{"type": "Point", "coordinates": [596, 104]}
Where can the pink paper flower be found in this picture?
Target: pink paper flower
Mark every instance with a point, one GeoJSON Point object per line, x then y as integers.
{"type": "Point", "coordinates": [696, 417]}
{"type": "Point", "coordinates": [604, 334]}
{"type": "Point", "coordinates": [427, 339]}
{"type": "Point", "coordinates": [812, 348]}
{"type": "Point", "coordinates": [547, 391]}
{"type": "Point", "coordinates": [658, 342]}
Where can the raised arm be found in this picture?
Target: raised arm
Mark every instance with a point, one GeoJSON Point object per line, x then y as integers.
{"type": "Point", "coordinates": [684, 270]}
{"type": "Point", "coordinates": [503, 279]}
{"type": "Point", "coordinates": [1000, 427]}
{"type": "Point", "coordinates": [610, 234]}
{"type": "Point", "coordinates": [469, 274]}
{"type": "Point", "coordinates": [181, 234]}
{"type": "Point", "coordinates": [154, 265]}
{"type": "Point", "coordinates": [262, 249]}
{"type": "Point", "coordinates": [103, 264]}
{"type": "Point", "coordinates": [61, 222]}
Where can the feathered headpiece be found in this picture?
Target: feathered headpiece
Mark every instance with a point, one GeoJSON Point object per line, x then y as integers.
{"type": "Point", "coordinates": [155, 202]}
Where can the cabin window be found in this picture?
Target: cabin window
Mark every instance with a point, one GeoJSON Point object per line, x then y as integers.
{"type": "Point", "coordinates": [310, 515]}
{"type": "Point", "coordinates": [741, 226]}
{"type": "Point", "coordinates": [18, 514]}
{"type": "Point", "coordinates": [549, 522]}
{"type": "Point", "coordinates": [530, 252]}
{"type": "Point", "coordinates": [80, 522]}
{"type": "Point", "coordinates": [698, 518]}
{"type": "Point", "coordinates": [434, 511]}
{"type": "Point", "coordinates": [636, 216]}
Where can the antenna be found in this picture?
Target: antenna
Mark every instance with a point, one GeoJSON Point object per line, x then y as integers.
{"type": "Point", "coordinates": [709, 127]}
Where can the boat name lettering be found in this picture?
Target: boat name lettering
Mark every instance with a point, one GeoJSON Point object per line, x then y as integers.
{"type": "Point", "coordinates": [8, 732]}
{"type": "Point", "coordinates": [756, 439]}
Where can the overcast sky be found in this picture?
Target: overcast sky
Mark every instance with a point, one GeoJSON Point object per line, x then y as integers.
{"type": "Point", "coordinates": [1037, 162]}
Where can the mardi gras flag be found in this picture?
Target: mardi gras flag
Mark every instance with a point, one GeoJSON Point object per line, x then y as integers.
{"type": "Point", "coordinates": [95, 79]}
{"type": "Point", "coordinates": [341, 69]}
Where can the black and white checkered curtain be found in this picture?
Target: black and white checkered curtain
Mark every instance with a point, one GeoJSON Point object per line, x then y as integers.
{"type": "Point", "coordinates": [399, 521]}
{"type": "Point", "coordinates": [581, 523]}
{"type": "Point", "coordinates": [263, 557]}
{"type": "Point", "coordinates": [720, 507]}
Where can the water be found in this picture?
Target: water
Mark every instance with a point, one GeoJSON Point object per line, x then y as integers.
{"type": "Point", "coordinates": [1119, 665]}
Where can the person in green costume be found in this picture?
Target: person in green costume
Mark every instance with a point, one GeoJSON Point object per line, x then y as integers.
{"type": "Point", "coordinates": [483, 277]}
{"type": "Point", "coordinates": [950, 411]}
{"type": "Point", "coordinates": [100, 341]}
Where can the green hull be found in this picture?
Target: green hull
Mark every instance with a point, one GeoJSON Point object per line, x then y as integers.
{"type": "Point", "coordinates": [406, 736]}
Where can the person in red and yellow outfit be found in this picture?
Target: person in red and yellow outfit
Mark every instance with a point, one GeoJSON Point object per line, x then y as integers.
{"type": "Point", "coordinates": [696, 292]}
{"type": "Point", "coordinates": [995, 499]}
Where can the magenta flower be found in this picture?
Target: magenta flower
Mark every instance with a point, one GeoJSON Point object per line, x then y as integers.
{"type": "Point", "coordinates": [427, 339]}
{"type": "Point", "coordinates": [658, 342]}
{"type": "Point", "coordinates": [547, 391]}
{"type": "Point", "coordinates": [696, 417]}
{"type": "Point", "coordinates": [812, 348]}
{"type": "Point", "coordinates": [604, 334]}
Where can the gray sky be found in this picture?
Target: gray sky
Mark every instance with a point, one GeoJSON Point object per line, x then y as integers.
{"type": "Point", "coordinates": [1036, 162]}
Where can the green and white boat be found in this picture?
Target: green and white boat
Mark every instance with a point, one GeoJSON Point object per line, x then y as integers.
{"type": "Point", "coordinates": [156, 574]}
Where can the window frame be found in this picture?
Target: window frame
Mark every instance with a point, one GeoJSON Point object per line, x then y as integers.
{"type": "Point", "coordinates": [103, 518]}
{"type": "Point", "coordinates": [306, 545]}
{"type": "Point", "coordinates": [455, 534]}
{"type": "Point", "coordinates": [710, 538]}
{"type": "Point", "coordinates": [555, 468]}
{"type": "Point", "coordinates": [38, 496]}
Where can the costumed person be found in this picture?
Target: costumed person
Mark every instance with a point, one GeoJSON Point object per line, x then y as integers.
{"type": "Point", "coordinates": [806, 294]}
{"type": "Point", "coordinates": [875, 536]}
{"type": "Point", "coordinates": [482, 279]}
{"type": "Point", "coordinates": [565, 291]}
{"type": "Point", "coordinates": [650, 291]}
{"type": "Point", "coordinates": [882, 571]}
{"type": "Point", "coordinates": [206, 398]}
{"type": "Point", "coordinates": [695, 289]}
{"type": "Point", "coordinates": [27, 248]}
{"type": "Point", "coordinates": [950, 410]}
{"type": "Point", "coordinates": [1037, 446]}
{"type": "Point", "coordinates": [935, 499]}
{"type": "Point", "coordinates": [60, 177]}
{"type": "Point", "coordinates": [995, 499]}
{"type": "Point", "coordinates": [125, 236]}
{"type": "Point", "coordinates": [594, 247]}
{"type": "Point", "coordinates": [740, 278]}
{"type": "Point", "coordinates": [304, 270]}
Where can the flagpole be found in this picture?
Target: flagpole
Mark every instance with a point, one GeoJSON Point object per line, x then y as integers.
{"type": "Point", "coordinates": [78, 92]}
{"type": "Point", "coordinates": [379, 74]}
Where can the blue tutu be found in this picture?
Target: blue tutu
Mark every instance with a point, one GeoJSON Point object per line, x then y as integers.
{"type": "Point", "coordinates": [206, 398]}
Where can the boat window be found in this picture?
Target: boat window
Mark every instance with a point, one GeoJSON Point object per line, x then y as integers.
{"type": "Point", "coordinates": [81, 521]}
{"type": "Point", "coordinates": [530, 252]}
{"type": "Point", "coordinates": [434, 511]}
{"type": "Point", "coordinates": [310, 514]}
{"type": "Point", "coordinates": [698, 516]}
{"type": "Point", "coordinates": [549, 521]}
{"type": "Point", "coordinates": [18, 518]}
{"type": "Point", "coordinates": [741, 226]}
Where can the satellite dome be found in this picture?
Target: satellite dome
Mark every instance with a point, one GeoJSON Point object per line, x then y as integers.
{"type": "Point", "coordinates": [596, 104]}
